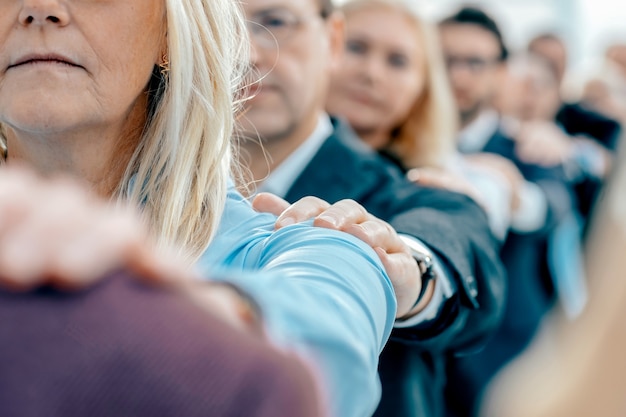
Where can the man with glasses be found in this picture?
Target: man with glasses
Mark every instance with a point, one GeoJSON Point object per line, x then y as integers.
{"type": "Point", "coordinates": [294, 149]}
{"type": "Point", "coordinates": [476, 58]}
{"type": "Point", "coordinates": [475, 55]}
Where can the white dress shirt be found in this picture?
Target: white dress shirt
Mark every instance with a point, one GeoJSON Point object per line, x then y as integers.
{"type": "Point", "coordinates": [533, 209]}
{"type": "Point", "coordinates": [281, 179]}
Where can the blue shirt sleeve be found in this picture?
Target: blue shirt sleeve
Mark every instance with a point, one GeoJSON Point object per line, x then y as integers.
{"type": "Point", "coordinates": [321, 292]}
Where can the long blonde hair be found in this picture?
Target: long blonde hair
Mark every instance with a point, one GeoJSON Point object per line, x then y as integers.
{"type": "Point", "coordinates": [427, 136]}
{"type": "Point", "coordinates": [179, 171]}
{"type": "Point", "coordinates": [184, 160]}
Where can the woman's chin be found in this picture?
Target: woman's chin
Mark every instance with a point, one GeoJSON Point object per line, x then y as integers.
{"type": "Point", "coordinates": [37, 122]}
{"type": "Point", "coordinates": [41, 115]}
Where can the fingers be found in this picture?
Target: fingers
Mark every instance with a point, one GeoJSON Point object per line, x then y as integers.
{"type": "Point", "coordinates": [100, 246]}
{"type": "Point", "coordinates": [302, 210]}
{"type": "Point", "coordinates": [544, 144]}
{"type": "Point", "coordinates": [402, 269]}
{"type": "Point", "coordinates": [431, 178]}
{"type": "Point", "coordinates": [269, 203]}
{"type": "Point", "coordinates": [437, 178]}
{"type": "Point", "coordinates": [341, 215]}
{"type": "Point", "coordinates": [56, 232]}
{"type": "Point", "coordinates": [29, 214]}
{"type": "Point", "coordinates": [350, 217]}
{"type": "Point", "coordinates": [378, 234]}
{"type": "Point", "coordinates": [544, 154]}
{"type": "Point", "coordinates": [162, 266]}
{"type": "Point", "coordinates": [405, 278]}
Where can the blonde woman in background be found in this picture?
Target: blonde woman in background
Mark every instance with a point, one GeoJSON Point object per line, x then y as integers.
{"type": "Point", "coordinates": [393, 90]}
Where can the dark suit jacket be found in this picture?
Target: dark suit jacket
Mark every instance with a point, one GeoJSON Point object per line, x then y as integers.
{"type": "Point", "coordinates": [530, 293]}
{"type": "Point", "coordinates": [453, 226]}
{"type": "Point", "coordinates": [578, 120]}
{"type": "Point", "coordinates": [122, 349]}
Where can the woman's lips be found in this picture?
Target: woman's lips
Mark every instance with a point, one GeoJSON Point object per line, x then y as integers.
{"type": "Point", "coordinates": [44, 59]}
{"type": "Point", "coordinates": [363, 98]}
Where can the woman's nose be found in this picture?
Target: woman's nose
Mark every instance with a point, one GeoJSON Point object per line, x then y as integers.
{"type": "Point", "coordinates": [373, 69]}
{"type": "Point", "coordinates": [43, 12]}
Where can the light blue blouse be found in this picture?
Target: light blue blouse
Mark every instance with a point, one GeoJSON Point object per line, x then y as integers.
{"type": "Point", "coordinates": [323, 293]}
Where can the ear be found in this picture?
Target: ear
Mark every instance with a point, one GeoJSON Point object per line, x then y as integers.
{"type": "Point", "coordinates": [336, 27]}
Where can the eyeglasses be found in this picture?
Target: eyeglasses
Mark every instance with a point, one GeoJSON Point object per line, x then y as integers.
{"type": "Point", "coordinates": [275, 27]}
{"type": "Point", "coordinates": [475, 65]}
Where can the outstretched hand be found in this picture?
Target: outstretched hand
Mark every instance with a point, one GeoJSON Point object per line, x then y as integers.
{"type": "Point", "coordinates": [543, 143]}
{"type": "Point", "coordinates": [350, 217]}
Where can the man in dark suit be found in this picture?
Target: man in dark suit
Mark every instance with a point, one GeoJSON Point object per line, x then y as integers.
{"type": "Point", "coordinates": [123, 348]}
{"type": "Point", "coordinates": [584, 125]}
{"type": "Point", "coordinates": [312, 154]}
{"type": "Point", "coordinates": [475, 53]}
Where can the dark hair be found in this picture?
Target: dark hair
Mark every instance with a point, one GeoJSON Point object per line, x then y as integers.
{"type": "Point", "coordinates": [475, 16]}
{"type": "Point", "coordinates": [326, 7]}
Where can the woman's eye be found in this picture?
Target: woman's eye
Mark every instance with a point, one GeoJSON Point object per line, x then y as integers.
{"type": "Point", "coordinates": [356, 47]}
{"type": "Point", "coordinates": [274, 22]}
{"type": "Point", "coordinates": [398, 61]}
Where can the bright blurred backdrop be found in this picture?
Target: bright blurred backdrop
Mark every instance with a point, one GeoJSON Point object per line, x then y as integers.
{"type": "Point", "coordinates": [588, 26]}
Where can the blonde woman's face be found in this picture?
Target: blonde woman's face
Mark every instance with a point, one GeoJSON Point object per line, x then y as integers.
{"type": "Point", "coordinates": [382, 73]}
{"type": "Point", "coordinates": [67, 65]}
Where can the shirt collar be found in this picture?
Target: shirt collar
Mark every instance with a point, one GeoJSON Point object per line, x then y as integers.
{"type": "Point", "coordinates": [284, 175]}
{"type": "Point", "coordinates": [475, 136]}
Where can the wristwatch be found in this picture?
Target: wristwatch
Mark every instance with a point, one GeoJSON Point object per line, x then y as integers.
{"type": "Point", "coordinates": [425, 262]}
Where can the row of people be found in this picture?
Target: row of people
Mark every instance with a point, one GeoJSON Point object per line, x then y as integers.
{"type": "Point", "coordinates": [143, 114]}
{"type": "Point", "coordinates": [369, 117]}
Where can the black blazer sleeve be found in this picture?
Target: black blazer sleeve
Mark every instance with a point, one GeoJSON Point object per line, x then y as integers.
{"type": "Point", "coordinates": [577, 120]}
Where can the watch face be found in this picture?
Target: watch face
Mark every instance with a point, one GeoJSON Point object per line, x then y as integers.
{"type": "Point", "coordinates": [422, 255]}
